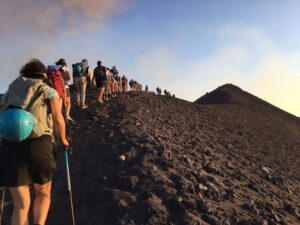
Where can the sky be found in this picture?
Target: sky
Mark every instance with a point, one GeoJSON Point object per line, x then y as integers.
{"type": "Point", "coordinates": [187, 47]}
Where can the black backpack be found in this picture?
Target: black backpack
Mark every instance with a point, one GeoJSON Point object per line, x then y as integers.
{"type": "Point", "coordinates": [98, 72]}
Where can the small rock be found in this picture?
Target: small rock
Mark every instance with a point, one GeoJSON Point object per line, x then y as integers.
{"type": "Point", "coordinates": [202, 187]}
{"type": "Point", "coordinates": [265, 169]}
{"type": "Point", "coordinates": [211, 219]}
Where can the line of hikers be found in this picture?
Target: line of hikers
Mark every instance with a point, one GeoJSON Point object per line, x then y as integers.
{"type": "Point", "coordinates": [107, 81]}
{"type": "Point", "coordinates": [166, 93]}
{"type": "Point", "coordinates": [37, 105]}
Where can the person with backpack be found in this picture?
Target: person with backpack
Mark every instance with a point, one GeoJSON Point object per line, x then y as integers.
{"type": "Point", "coordinates": [158, 90]}
{"type": "Point", "coordinates": [88, 73]}
{"type": "Point", "coordinates": [131, 84]}
{"type": "Point", "coordinates": [31, 161]}
{"type": "Point", "coordinates": [80, 82]}
{"type": "Point", "coordinates": [115, 74]}
{"type": "Point", "coordinates": [99, 78]}
{"type": "Point", "coordinates": [124, 83]}
{"type": "Point", "coordinates": [55, 80]}
{"type": "Point", "coordinates": [66, 75]}
{"type": "Point", "coordinates": [109, 86]}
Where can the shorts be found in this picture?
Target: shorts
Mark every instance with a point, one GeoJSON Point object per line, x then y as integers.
{"type": "Point", "coordinates": [27, 162]}
{"type": "Point", "coordinates": [99, 83]}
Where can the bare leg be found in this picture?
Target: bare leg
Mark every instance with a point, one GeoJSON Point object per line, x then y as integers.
{"type": "Point", "coordinates": [77, 83]}
{"type": "Point", "coordinates": [41, 203]}
{"type": "Point", "coordinates": [83, 91]}
{"type": "Point", "coordinates": [101, 92]}
{"type": "Point", "coordinates": [21, 201]}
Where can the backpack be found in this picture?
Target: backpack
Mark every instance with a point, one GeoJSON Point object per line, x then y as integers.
{"type": "Point", "coordinates": [77, 70]}
{"type": "Point", "coordinates": [98, 73]}
{"type": "Point", "coordinates": [28, 94]}
{"type": "Point", "coordinates": [56, 80]}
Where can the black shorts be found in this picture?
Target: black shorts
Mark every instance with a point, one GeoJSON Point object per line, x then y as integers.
{"type": "Point", "coordinates": [99, 83]}
{"type": "Point", "coordinates": [27, 162]}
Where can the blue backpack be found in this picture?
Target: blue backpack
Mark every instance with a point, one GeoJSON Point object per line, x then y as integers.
{"type": "Point", "coordinates": [77, 70]}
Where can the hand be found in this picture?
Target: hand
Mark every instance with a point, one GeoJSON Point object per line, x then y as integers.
{"type": "Point", "coordinates": [65, 142]}
{"type": "Point", "coordinates": [68, 148]}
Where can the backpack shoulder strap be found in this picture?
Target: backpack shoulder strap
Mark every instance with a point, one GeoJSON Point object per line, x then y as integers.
{"type": "Point", "coordinates": [87, 70]}
{"type": "Point", "coordinates": [35, 97]}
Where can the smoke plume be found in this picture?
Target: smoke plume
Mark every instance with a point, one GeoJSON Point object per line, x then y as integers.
{"type": "Point", "coordinates": [45, 17]}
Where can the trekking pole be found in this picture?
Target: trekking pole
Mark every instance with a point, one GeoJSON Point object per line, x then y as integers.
{"type": "Point", "coordinates": [69, 183]}
{"type": "Point", "coordinates": [2, 204]}
{"type": "Point", "coordinates": [67, 150]}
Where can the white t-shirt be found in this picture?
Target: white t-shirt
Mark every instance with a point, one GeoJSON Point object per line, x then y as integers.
{"type": "Point", "coordinates": [68, 71]}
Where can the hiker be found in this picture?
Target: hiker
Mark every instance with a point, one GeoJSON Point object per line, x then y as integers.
{"type": "Point", "coordinates": [56, 81]}
{"type": "Point", "coordinates": [124, 83]}
{"type": "Point", "coordinates": [115, 75]}
{"type": "Point", "coordinates": [119, 84]}
{"type": "Point", "coordinates": [146, 88]}
{"type": "Point", "coordinates": [107, 83]}
{"type": "Point", "coordinates": [80, 80]}
{"type": "Point", "coordinates": [105, 79]}
{"type": "Point", "coordinates": [110, 83]}
{"type": "Point", "coordinates": [113, 83]}
{"type": "Point", "coordinates": [131, 83]}
{"type": "Point", "coordinates": [99, 78]}
{"type": "Point", "coordinates": [66, 75]}
{"type": "Point", "coordinates": [88, 73]}
{"type": "Point", "coordinates": [31, 162]}
{"type": "Point", "coordinates": [158, 90]}
{"type": "Point", "coordinates": [167, 93]}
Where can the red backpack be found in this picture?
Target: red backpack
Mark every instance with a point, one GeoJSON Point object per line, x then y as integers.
{"type": "Point", "coordinates": [56, 80]}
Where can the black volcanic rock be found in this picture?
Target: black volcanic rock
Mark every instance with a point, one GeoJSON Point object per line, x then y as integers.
{"type": "Point", "coordinates": [234, 162]}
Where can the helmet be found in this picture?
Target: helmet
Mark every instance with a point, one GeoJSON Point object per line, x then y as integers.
{"type": "Point", "coordinates": [16, 124]}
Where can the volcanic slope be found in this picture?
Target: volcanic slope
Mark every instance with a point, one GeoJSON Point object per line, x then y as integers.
{"type": "Point", "coordinates": [232, 162]}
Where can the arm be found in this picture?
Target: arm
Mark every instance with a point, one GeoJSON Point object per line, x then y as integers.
{"type": "Point", "coordinates": [58, 120]}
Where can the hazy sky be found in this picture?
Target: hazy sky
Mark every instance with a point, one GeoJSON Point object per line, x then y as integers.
{"type": "Point", "coordinates": [188, 47]}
